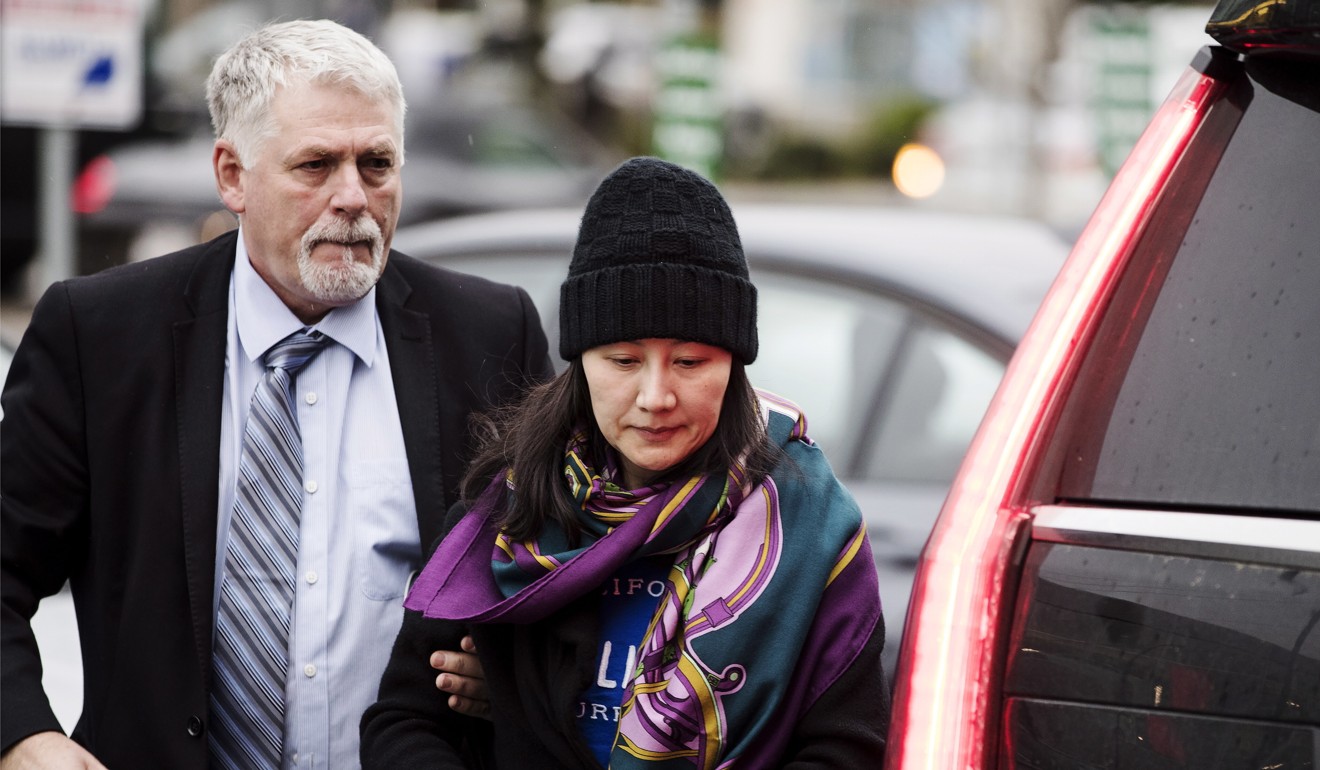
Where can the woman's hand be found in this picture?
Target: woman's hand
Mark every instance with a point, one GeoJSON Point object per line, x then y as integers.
{"type": "Point", "coordinates": [462, 677]}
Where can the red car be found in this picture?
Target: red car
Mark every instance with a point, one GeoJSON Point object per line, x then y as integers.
{"type": "Point", "coordinates": [1126, 572]}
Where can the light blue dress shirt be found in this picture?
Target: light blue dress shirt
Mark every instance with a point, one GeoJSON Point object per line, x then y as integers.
{"type": "Point", "coordinates": [358, 539]}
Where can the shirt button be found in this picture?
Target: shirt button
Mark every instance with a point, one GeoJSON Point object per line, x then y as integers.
{"type": "Point", "coordinates": [195, 726]}
{"type": "Point", "coordinates": [312, 577]}
{"type": "Point", "coordinates": [310, 397]}
{"type": "Point", "coordinates": [309, 670]}
{"type": "Point", "coordinates": [310, 486]}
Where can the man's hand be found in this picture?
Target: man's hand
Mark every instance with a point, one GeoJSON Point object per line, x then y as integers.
{"type": "Point", "coordinates": [461, 676]}
{"type": "Point", "coordinates": [49, 751]}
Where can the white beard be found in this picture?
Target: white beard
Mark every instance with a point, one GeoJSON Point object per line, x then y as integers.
{"type": "Point", "coordinates": [346, 280]}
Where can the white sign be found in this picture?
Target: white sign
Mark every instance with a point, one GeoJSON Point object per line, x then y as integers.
{"type": "Point", "coordinates": [72, 63]}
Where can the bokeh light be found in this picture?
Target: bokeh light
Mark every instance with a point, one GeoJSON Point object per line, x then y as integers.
{"type": "Point", "coordinates": [918, 171]}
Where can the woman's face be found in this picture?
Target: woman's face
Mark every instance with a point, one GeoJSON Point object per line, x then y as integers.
{"type": "Point", "coordinates": [656, 401]}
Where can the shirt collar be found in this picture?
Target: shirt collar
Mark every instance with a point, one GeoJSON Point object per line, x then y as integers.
{"type": "Point", "coordinates": [263, 319]}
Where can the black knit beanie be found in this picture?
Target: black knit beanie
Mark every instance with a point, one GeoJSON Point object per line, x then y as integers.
{"type": "Point", "coordinates": [657, 255]}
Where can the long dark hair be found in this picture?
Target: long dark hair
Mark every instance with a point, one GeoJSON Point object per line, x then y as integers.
{"type": "Point", "coordinates": [531, 436]}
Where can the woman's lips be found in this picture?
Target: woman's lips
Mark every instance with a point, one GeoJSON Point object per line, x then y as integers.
{"type": "Point", "coordinates": [656, 434]}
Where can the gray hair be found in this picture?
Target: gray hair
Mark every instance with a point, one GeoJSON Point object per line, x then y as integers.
{"type": "Point", "coordinates": [246, 77]}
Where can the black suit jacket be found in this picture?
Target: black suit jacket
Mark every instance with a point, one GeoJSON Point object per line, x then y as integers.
{"type": "Point", "coordinates": [109, 464]}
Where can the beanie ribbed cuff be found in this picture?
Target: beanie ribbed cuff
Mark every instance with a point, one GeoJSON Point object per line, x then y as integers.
{"type": "Point", "coordinates": [658, 300]}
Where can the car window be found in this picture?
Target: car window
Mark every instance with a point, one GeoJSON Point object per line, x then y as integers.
{"type": "Point", "coordinates": [510, 140]}
{"type": "Point", "coordinates": [1210, 395]}
{"type": "Point", "coordinates": [823, 347]}
{"type": "Point", "coordinates": [941, 387]}
{"type": "Point", "coordinates": [512, 146]}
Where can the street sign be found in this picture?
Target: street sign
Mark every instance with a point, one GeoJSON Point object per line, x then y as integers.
{"type": "Point", "coordinates": [1124, 101]}
{"type": "Point", "coordinates": [72, 63]}
{"type": "Point", "coordinates": [689, 114]}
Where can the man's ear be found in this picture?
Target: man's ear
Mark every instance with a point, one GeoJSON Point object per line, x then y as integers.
{"type": "Point", "coordinates": [228, 175]}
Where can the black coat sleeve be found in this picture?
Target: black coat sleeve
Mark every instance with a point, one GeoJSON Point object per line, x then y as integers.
{"type": "Point", "coordinates": [411, 723]}
{"type": "Point", "coordinates": [848, 724]}
{"type": "Point", "coordinates": [43, 502]}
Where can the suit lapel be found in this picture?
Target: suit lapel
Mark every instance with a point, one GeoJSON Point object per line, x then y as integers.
{"type": "Point", "coordinates": [414, 369]}
{"type": "Point", "coordinates": [199, 371]}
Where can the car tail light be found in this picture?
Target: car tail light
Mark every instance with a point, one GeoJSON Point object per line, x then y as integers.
{"type": "Point", "coordinates": [945, 703]}
{"type": "Point", "coordinates": [94, 187]}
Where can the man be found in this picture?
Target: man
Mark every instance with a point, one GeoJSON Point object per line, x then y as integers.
{"type": "Point", "coordinates": [154, 413]}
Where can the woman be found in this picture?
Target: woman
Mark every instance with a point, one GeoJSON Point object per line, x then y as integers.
{"type": "Point", "coordinates": [657, 565]}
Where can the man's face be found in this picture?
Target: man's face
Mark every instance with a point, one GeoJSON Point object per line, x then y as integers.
{"type": "Point", "coordinates": [320, 199]}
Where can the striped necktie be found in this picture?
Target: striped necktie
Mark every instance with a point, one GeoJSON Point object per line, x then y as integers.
{"type": "Point", "coordinates": [256, 595]}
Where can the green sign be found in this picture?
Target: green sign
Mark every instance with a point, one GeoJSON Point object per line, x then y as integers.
{"type": "Point", "coordinates": [689, 113]}
{"type": "Point", "coordinates": [1123, 102]}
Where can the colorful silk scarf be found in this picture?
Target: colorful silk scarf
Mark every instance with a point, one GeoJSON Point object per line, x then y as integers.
{"type": "Point", "coordinates": [771, 596]}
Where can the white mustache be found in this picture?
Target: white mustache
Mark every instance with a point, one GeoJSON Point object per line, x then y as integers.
{"type": "Point", "coordinates": [338, 231]}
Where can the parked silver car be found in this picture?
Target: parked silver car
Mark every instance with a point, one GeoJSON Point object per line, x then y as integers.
{"type": "Point", "coordinates": [891, 327]}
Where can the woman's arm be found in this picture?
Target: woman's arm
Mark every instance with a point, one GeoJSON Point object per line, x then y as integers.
{"type": "Point", "coordinates": [847, 725]}
{"type": "Point", "coordinates": [412, 723]}
{"type": "Point", "coordinates": [846, 719]}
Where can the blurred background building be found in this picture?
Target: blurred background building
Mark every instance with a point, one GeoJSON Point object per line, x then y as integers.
{"type": "Point", "coordinates": [1002, 106]}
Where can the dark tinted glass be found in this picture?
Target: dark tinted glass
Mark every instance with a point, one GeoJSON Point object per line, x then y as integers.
{"type": "Point", "coordinates": [1047, 735]}
{"type": "Point", "coordinates": [1204, 386]}
{"type": "Point", "coordinates": [1163, 632]}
